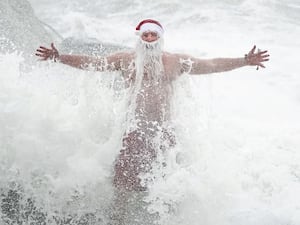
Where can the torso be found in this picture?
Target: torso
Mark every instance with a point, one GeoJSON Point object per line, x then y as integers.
{"type": "Point", "coordinates": [152, 106]}
{"type": "Point", "coordinates": [146, 134]}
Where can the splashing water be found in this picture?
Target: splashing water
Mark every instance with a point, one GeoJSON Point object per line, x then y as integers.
{"type": "Point", "coordinates": [236, 160]}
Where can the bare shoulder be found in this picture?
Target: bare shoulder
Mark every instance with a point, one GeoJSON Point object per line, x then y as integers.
{"type": "Point", "coordinates": [172, 64]}
{"type": "Point", "coordinates": [121, 56]}
{"type": "Point", "coordinates": [175, 58]}
{"type": "Point", "coordinates": [189, 64]}
{"type": "Point", "coordinates": [120, 60]}
{"type": "Point", "coordinates": [170, 58]}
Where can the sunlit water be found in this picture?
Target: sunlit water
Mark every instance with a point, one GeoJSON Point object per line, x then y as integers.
{"type": "Point", "coordinates": [237, 158]}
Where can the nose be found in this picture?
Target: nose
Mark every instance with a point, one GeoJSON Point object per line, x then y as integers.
{"type": "Point", "coordinates": [150, 38]}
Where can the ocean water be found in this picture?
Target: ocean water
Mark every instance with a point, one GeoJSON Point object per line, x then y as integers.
{"type": "Point", "coordinates": [237, 158]}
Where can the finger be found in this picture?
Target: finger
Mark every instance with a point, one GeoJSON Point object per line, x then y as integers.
{"type": "Point", "coordinates": [42, 57]}
{"type": "Point", "coordinates": [264, 58]}
{"type": "Point", "coordinates": [41, 51]}
{"type": "Point", "coordinates": [262, 65]}
{"type": "Point", "coordinates": [42, 47]}
{"type": "Point", "coordinates": [263, 52]}
{"type": "Point", "coordinates": [253, 49]}
{"type": "Point", "coordinates": [53, 47]}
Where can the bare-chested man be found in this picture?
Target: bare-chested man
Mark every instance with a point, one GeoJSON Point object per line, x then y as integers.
{"type": "Point", "coordinates": [149, 72]}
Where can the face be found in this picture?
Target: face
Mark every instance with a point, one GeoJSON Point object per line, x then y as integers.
{"type": "Point", "coordinates": [149, 36]}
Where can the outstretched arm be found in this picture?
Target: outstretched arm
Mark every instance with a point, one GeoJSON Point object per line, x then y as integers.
{"type": "Point", "coordinates": [200, 66]}
{"type": "Point", "coordinates": [109, 63]}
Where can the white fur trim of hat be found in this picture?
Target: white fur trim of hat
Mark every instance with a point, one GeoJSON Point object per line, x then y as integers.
{"type": "Point", "coordinates": [150, 25]}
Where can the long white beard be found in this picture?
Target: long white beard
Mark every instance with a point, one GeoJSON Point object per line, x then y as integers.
{"type": "Point", "coordinates": [149, 61]}
{"type": "Point", "coordinates": [149, 76]}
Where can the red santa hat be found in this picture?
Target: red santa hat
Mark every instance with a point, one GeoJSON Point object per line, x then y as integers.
{"type": "Point", "coordinates": [150, 25]}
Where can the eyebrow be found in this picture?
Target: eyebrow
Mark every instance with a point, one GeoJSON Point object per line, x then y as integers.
{"type": "Point", "coordinates": [150, 32]}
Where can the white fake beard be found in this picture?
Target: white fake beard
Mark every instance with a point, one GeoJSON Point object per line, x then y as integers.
{"type": "Point", "coordinates": [149, 61]}
{"type": "Point", "coordinates": [149, 74]}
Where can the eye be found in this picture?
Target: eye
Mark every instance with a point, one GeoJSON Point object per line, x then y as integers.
{"type": "Point", "coordinates": [153, 34]}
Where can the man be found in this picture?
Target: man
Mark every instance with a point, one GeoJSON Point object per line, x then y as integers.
{"type": "Point", "coordinates": [149, 73]}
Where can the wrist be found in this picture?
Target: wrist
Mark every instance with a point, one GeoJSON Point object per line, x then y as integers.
{"type": "Point", "coordinates": [246, 59]}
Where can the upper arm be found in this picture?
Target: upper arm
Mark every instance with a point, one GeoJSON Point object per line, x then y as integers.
{"type": "Point", "coordinates": [202, 66]}
{"type": "Point", "coordinates": [180, 63]}
{"type": "Point", "coordinates": [117, 60]}
{"type": "Point", "coordinates": [114, 62]}
{"type": "Point", "coordinates": [192, 65]}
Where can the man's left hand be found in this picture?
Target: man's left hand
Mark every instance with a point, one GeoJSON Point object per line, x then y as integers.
{"type": "Point", "coordinates": [256, 59]}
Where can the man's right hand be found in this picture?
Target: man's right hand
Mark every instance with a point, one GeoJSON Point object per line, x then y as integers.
{"type": "Point", "coordinates": [47, 53]}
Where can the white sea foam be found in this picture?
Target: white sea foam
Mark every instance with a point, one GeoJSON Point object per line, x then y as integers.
{"type": "Point", "coordinates": [238, 133]}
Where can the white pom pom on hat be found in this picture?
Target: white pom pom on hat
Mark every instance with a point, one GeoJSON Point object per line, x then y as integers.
{"type": "Point", "coordinates": [149, 25]}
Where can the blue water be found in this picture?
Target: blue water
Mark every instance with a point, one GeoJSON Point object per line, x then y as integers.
{"type": "Point", "coordinates": [237, 160]}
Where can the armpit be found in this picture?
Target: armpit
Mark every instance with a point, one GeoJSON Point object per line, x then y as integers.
{"type": "Point", "coordinates": [186, 65]}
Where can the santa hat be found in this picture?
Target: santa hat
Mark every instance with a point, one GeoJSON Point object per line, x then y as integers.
{"type": "Point", "coordinates": [150, 25]}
